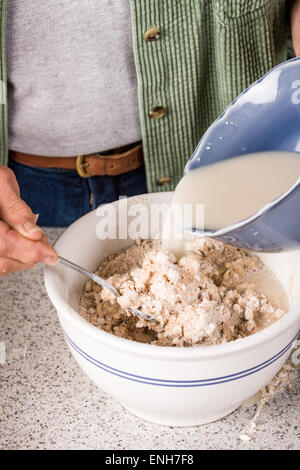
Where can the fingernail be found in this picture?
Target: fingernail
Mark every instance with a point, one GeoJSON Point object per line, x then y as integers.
{"type": "Point", "coordinates": [30, 227]}
{"type": "Point", "coordinates": [36, 217]}
{"type": "Point", "coordinates": [50, 260]}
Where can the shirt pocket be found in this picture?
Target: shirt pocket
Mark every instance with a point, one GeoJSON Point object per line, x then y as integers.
{"type": "Point", "coordinates": [250, 37]}
{"type": "Point", "coordinates": [235, 13]}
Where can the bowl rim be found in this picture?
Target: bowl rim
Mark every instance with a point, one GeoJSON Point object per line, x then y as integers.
{"type": "Point", "coordinates": [169, 352]}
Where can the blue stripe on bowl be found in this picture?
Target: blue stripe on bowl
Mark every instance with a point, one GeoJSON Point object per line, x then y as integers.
{"type": "Point", "coordinates": [178, 383]}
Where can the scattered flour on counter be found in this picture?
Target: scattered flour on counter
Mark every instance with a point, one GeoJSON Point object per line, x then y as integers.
{"type": "Point", "coordinates": [205, 298]}
{"type": "Point", "coordinates": [284, 379]}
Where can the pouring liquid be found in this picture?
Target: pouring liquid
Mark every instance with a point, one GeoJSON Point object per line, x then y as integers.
{"type": "Point", "coordinates": [230, 191]}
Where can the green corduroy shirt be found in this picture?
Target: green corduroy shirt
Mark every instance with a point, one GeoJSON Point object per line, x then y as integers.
{"type": "Point", "coordinates": [207, 53]}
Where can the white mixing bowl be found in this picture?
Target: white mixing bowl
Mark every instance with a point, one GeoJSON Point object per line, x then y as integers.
{"type": "Point", "coordinates": [171, 386]}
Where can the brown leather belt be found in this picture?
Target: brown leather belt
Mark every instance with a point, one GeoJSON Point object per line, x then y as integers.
{"type": "Point", "coordinates": [110, 163]}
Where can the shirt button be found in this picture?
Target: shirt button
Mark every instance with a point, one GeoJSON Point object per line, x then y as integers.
{"type": "Point", "coordinates": [163, 181]}
{"type": "Point", "coordinates": [152, 34]}
{"type": "Point", "coordinates": [157, 112]}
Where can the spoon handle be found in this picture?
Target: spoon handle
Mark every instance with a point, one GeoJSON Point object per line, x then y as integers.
{"type": "Point", "coordinates": [102, 283]}
{"type": "Point", "coordinates": [90, 275]}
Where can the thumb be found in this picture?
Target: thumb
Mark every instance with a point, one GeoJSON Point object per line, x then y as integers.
{"type": "Point", "coordinates": [13, 210]}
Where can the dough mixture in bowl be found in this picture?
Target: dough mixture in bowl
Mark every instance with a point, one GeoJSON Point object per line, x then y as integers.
{"type": "Point", "coordinates": [208, 297]}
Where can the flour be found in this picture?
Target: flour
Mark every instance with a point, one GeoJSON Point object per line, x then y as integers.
{"type": "Point", "coordinates": [204, 298]}
{"type": "Point", "coordinates": [284, 379]}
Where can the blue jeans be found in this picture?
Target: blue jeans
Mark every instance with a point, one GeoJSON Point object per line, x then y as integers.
{"type": "Point", "coordinates": [62, 196]}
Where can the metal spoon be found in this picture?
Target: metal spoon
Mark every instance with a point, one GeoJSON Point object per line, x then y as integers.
{"type": "Point", "coordinates": [103, 283]}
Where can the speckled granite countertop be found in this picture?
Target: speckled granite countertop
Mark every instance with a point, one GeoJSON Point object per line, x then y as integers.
{"type": "Point", "coordinates": [46, 401]}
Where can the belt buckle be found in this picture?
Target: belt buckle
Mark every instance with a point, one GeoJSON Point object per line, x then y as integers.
{"type": "Point", "coordinates": [80, 167]}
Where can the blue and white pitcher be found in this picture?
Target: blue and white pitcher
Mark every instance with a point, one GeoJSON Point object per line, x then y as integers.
{"type": "Point", "coordinates": [266, 116]}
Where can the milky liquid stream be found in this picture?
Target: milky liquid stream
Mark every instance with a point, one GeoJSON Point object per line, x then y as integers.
{"type": "Point", "coordinates": [231, 191]}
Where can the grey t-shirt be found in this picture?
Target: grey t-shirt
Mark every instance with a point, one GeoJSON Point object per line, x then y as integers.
{"type": "Point", "coordinates": [72, 86]}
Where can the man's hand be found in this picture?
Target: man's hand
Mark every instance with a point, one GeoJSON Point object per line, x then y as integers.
{"type": "Point", "coordinates": [295, 26]}
{"type": "Point", "coordinates": [22, 242]}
